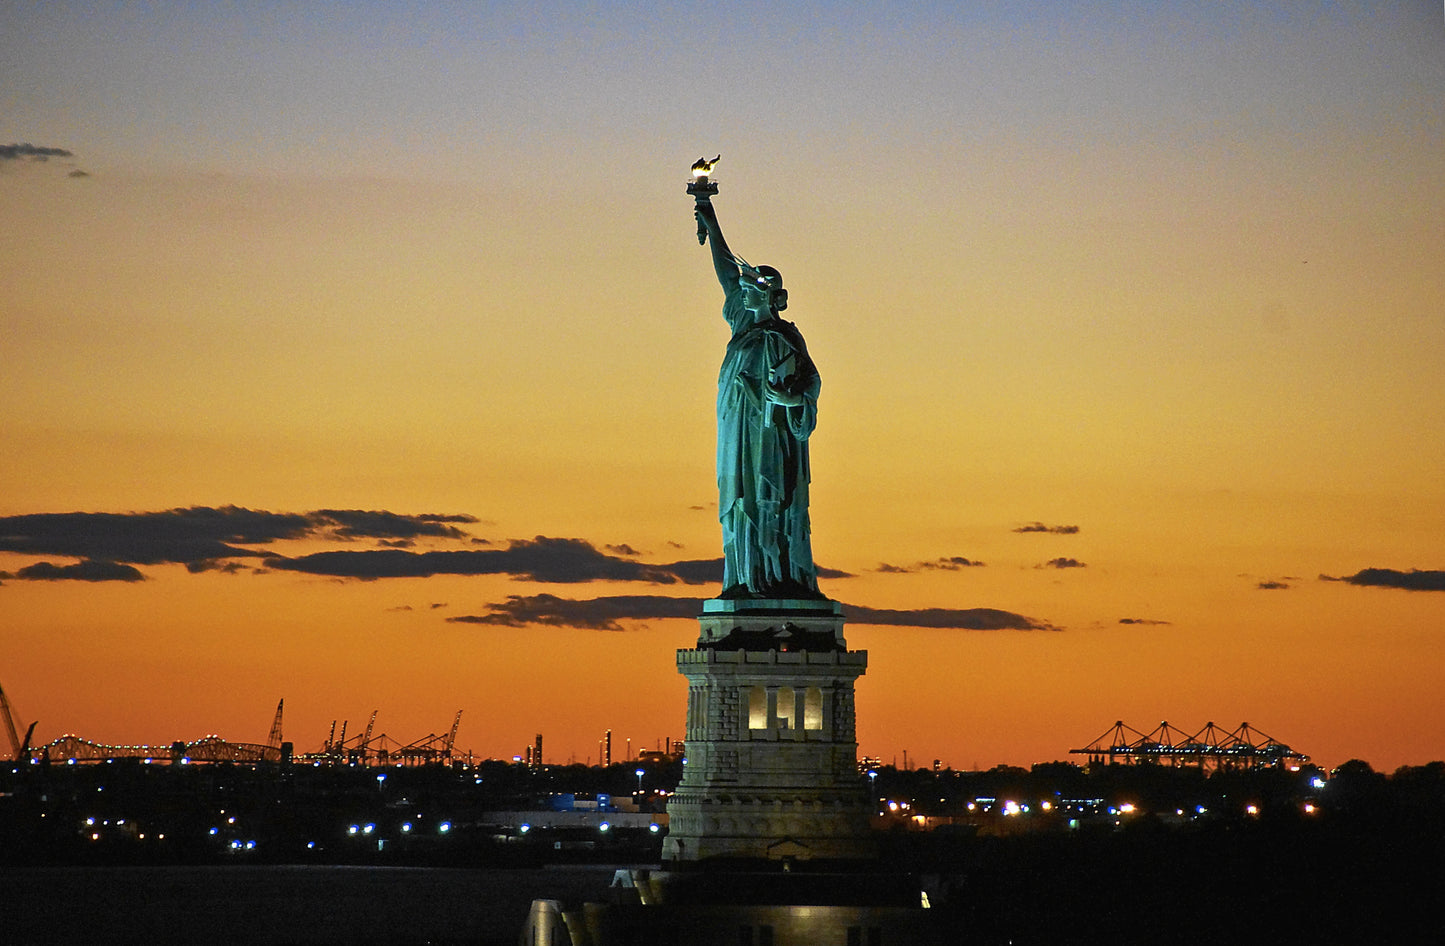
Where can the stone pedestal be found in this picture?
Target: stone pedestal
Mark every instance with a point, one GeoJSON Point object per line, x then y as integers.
{"type": "Point", "coordinates": [772, 753]}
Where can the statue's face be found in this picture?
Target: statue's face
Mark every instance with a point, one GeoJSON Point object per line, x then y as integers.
{"type": "Point", "coordinates": [756, 292]}
{"type": "Point", "coordinates": [762, 288]}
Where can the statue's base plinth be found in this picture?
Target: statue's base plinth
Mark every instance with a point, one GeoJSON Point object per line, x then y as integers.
{"type": "Point", "coordinates": [772, 771]}
{"type": "Point", "coordinates": [784, 624]}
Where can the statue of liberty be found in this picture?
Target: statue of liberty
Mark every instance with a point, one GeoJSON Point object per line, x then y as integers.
{"type": "Point", "coordinates": [767, 406]}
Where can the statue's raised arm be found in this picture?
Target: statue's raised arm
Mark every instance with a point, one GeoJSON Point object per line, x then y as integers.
{"type": "Point", "coordinates": [723, 261]}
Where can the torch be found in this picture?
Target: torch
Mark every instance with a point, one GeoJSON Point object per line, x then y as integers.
{"type": "Point", "coordinates": [702, 189]}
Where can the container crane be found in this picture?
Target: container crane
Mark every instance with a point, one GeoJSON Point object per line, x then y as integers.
{"type": "Point", "coordinates": [274, 740]}
{"type": "Point", "coordinates": [19, 747]}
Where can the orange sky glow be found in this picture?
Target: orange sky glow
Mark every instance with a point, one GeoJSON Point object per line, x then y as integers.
{"type": "Point", "coordinates": [1130, 321]}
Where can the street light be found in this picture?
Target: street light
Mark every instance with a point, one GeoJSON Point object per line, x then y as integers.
{"type": "Point", "coordinates": [639, 773]}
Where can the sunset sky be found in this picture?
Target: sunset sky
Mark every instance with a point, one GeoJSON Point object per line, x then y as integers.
{"type": "Point", "coordinates": [1130, 319]}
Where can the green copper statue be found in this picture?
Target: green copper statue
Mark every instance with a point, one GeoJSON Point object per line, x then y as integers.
{"type": "Point", "coordinates": [767, 406]}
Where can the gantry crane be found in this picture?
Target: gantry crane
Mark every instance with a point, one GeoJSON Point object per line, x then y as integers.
{"type": "Point", "coordinates": [452, 736]}
{"type": "Point", "coordinates": [274, 740]}
{"type": "Point", "coordinates": [20, 748]}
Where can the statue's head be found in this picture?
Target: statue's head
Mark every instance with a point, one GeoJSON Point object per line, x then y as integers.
{"type": "Point", "coordinates": [768, 280]}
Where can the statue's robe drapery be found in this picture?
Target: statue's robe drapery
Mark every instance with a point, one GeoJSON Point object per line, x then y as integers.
{"type": "Point", "coordinates": [762, 459]}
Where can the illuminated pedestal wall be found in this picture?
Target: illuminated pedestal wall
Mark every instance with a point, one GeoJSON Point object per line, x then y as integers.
{"type": "Point", "coordinates": [772, 752]}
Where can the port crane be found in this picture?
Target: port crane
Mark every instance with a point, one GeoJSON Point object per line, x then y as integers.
{"type": "Point", "coordinates": [19, 747]}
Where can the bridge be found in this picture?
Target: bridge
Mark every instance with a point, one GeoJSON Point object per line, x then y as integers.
{"type": "Point", "coordinates": [73, 749]}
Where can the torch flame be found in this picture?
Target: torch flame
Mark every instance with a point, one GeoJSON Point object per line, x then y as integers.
{"type": "Point", "coordinates": [704, 167]}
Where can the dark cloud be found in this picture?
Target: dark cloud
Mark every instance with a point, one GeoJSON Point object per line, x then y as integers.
{"type": "Point", "coordinates": [88, 570]}
{"type": "Point", "coordinates": [607, 613]}
{"type": "Point", "coordinates": [29, 152]}
{"type": "Point", "coordinates": [379, 524]}
{"type": "Point", "coordinates": [1052, 530]}
{"type": "Point", "coordinates": [431, 607]}
{"type": "Point", "coordinates": [697, 571]}
{"type": "Point", "coordinates": [1062, 563]}
{"type": "Point", "coordinates": [1272, 586]}
{"type": "Point", "coordinates": [966, 619]}
{"type": "Point", "coordinates": [1145, 621]}
{"type": "Point", "coordinates": [951, 564]}
{"type": "Point", "coordinates": [602, 614]}
{"type": "Point", "coordinates": [78, 173]}
{"type": "Point", "coordinates": [561, 561]}
{"type": "Point", "coordinates": [196, 534]}
{"type": "Point", "coordinates": [1413, 580]}
{"type": "Point", "coordinates": [623, 549]}
{"type": "Point", "coordinates": [214, 565]}
{"type": "Point", "coordinates": [200, 536]}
